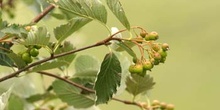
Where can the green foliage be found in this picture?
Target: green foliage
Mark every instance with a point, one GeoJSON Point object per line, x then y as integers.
{"type": "Point", "coordinates": [38, 97]}
{"type": "Point", "coordinates": [91, 9]}
{"type": "Point", "coordinates": [73, 95]}
{"type": "Point", "coordinates": [4, 99]}
{"type": "Point", "coordinates": [17, 60]}
{"type": "Point", "coordinates": [124, 46]}
{"type": "Point", "coordinates": [48, 66]}
{"type": "Point", "coordinates": [13, 29]}
{"type": "Point", "coordinates": [108, 78]}
{"type": "Point", "coordinates": [67, 46]}
{"type": "Point", "coordinates": [86, 66]}
{"type": "Point", "coordinates": [64, 31]}
{"type": "Point", "coordinates": [4, 58]}
{"type": "Point", "coordinates": [116, 7]}
{"type": "Point", "coordinates": [23, 48]}
{"type": "Point", "coordinates": [39, 36]}
{"type": "Point", "coordinates": [137, 84]}
{"type": "Point", "coordinates": [15, 103]}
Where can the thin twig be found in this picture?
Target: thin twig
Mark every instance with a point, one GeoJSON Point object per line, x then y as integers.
{"type": "Point", "coordinates": [67, 81]}
{"type": "Point", "coordinates": [42, 14]}
{"type": "Point", "coordinates": [47, 59]}
{"type": "Point", "coordinates": [1, 3]}
{"type": "Point", "coordinates": [87, 89]}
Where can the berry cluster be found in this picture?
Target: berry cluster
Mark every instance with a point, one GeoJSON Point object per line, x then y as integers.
{"type": "Point", "coordinates": [162, 105]}
{"type": "Point", "coordinates": [157, 53]}
{"type": "Point", "coordinates": [32, 51]}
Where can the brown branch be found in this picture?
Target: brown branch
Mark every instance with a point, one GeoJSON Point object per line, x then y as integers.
{"type": "Point", "coordinates": [67, 81]}
{"type": "Point", "coordinates": [1, 3]}
{"type": "Point", "coordinates": [42, 14]}
{"type": "Point", "coordinates": [47, 59]}
{"type": "Point", "coordinates": [87, 89]}
{"type": "Point", "coordinates": [103, 42]}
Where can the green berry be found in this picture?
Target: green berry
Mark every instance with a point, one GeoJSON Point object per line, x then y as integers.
{"type": "Point", "coordinates": [135, 59]}
{"type": "Point", "coordinates": [34, 52]}
{"type": "Point", "coordinates": [153, 35]}
{"type": "Point", "coordinates": [157, 56]}
{"type": "Point", "coordinates": [162, 53]}
{"type": "Point", "coordinates": [156, 47]}
{"type": "Point", "coordinates": [37, 46]}
{"type": "Point", "coordinates": [28, 28]}
{"type": "Point", "coordinates": [156, 62]}
{"type": "Point", "coordinates": [163, 105]}
{"type": "Point", "coordinates": [26, 57]}
{"type": "Point", "coordinates": [170, 107]}
{"type": "Point", "coordinates": [165, 46]}
{"type": "Point", "coordinates": [155, 103]}
{"type": "Point", "coordinates": [163, 60]}
{"type": "Point", "coordinates": [137, 68]}
{"type": "Point", "coordinates": [147, 65]}
{"type": "Point", "coordinates": [147, 38]}
{"type": "Point", "coordinates": [143, 34]}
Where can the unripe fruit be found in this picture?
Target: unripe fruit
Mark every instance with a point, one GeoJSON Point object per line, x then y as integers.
{"type": "Point", "coordinates": [157, 56]}
{"type": "Point", "coordinates": [147, 38]}
{"type": "Point", "coordinates": [26, 57]}
{"type": "Point", "coordinates": [165, 46]}
{"type": "Point", "coordinates": [155, 103]}
{"type": "Point", "coordinates": [135, 59]}
{"type": "Point", "coordinates": [153, 35]}
{"type": "Point", "coordinates": [156, 62]}
{"type": "Point", "coordinates": [147, 65]}
{"type": "Point", "coordinates": [156, 47]}
{"type": "Point", "coordinates": [143, 73]}
{"type": "Point", "coordinates": [163, 60]}
{"type": "Point", "coordinates": [162, 53]}
{"type": "Point", "coordinates": [163, 105]}
{"type": "Point", "coordinates": [34, 52]}
{"type": "Point", "coordinates": [143, 34]}
{"type": "Point", "coordinates": [28, 28]}
{"type": "Point", "coordinates": [137, 68]}
{"type": "Point", "coordinates": [170, 107]}
{"type": "Point", "coordinates": [37, 46]}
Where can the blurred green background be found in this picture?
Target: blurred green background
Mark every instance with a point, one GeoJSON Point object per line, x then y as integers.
{"type": "Point", "coordinates": [190, 77]}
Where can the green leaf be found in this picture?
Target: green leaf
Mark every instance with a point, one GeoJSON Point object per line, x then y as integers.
{"type": "Point", "coordinates": [48, 66]}
{"type": "Point", "coordinates": [2, 34]}
{"type": "Point", "coordinates": [23, 86]}
{"type": "Point", "coordinates": [86, 66]}
{"type": "Point", "coordinates": [127, 49]}
{"type": "Point", "coordinates": [108, 79]}
{"type": "Point", "coordinates": [91, 9]}
{"type": "Point", "coordinates": [67, 46]}
{"type": "Point", "coordinates": [128, 44]}
{"type": "Point", "coordinates": [72, 95]}
{"type": "Point", "coordinates": [17, 60]}
{"type": "Point", "coordinates": [116, 7]}
{"type": "Point", "coordinates": [15, 103]}
{"type": "Point", "coordinates": [38, 37]}
{"type": "Point", "coordinates": [58, 16]}
{"type": "Point", "coordinates": [125, 63]}
{"type": "Point", "coordinates": [3, 24]}
{"type": "Point", "coordinates": [64, 31]}
{"type": "Point", "coordinates": [4, 59]}
{"type": "Point", "coordinates": [137, 84]}
{"type": "Point", "coordinates": [38, 97]}
{"type": "Point", "coordinates": [4, 98]}
{"type": "Point", "coordinates": [14, 29]}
